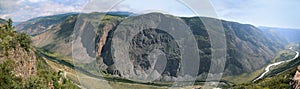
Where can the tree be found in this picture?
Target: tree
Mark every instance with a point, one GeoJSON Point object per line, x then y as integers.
{"type": "Point", "coordinates": [9, 24]}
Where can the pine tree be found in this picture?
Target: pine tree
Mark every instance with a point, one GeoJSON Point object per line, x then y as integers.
{"type": "Point", "coordinates": [9, 24]}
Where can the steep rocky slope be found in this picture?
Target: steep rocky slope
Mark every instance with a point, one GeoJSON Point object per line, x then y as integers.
{"type": "Point", "coordinates": [21, 67]}
{"type": "Point", "coordinates": [248, 48]}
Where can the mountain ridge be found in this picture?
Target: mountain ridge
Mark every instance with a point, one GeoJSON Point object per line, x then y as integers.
{"type": "Point", "coordinates": [247, 46]}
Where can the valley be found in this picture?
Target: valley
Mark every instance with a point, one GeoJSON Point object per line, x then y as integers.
{"type": "Point", "coordinates": [267, 69]}
{"type": "Point", "coordinates": [252, 46]}
{"type": "Point", "coordinates": [83, 47]}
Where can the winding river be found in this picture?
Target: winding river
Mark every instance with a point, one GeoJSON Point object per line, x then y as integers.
{"type": "Point", "coordinates": [267, 69]}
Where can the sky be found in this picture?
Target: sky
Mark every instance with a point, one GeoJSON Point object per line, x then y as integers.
{"type": "Point", "coordinates": [272, 13]}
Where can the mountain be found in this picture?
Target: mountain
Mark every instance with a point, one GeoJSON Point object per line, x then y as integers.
{"type": "Point", "coordinates": [291, 35]}
{"type": "Point", "coordinates": [248, 48]}
{"type": "Point", "coordinates": [41, 24]}
{"type": "Point", "coordinates": [38, 25]}
{"type": "Point", "coordinates": [20, 65]}
{"type": "Point", "coordinates": [121, 13]}
{"type": "Point", "coordinates": [16, 23]}
{"type": "Point", "coordinates": [3, 21]}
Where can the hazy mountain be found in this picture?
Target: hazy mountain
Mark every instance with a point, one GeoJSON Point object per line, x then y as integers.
{"type": "Point", "coordinates": [2, 21]}
{"type": "Point", "coordinates": [16, 23]}
{"type": "Point", "coordinates": [248, 48]}
{"type": "Point", "coordinates": [291, 35]}
{"type": "Point", "coordinates": [120, 13]}
{"type": "Point", "coordinates": [41, 24]}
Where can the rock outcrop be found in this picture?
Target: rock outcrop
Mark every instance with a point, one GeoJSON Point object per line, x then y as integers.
{"type": "Point", "coordinates": [25, 61]}
{"type": "Point", "coordinates": [295, 81]}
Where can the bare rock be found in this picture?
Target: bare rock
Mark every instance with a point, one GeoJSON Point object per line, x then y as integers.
{"type": "Point", "coordinates": [295, 81]}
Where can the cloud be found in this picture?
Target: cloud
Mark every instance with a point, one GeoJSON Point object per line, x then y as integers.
{"type": "Point", "coordinates": [275, 13]}
{"type": "Point", "coordinates": [35, 1]}
{"type": "Point", "coordinates": [174, 7]}
{"type": "Point", "coordinates": [104, 6]}
{"type": "Point", "coordinates": [22, 10]}
{"type": "Point", "coordinates": [7, 6]}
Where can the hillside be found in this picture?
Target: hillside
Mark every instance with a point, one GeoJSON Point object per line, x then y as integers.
{"type": "Point", "coordinates": [21, 67]}
{"type": "Point", "coordinates": [248, 48]}
{"type": "Point", "coordinates": [279, 80]}
{"type": "Point", "coordinates": [283, 76]}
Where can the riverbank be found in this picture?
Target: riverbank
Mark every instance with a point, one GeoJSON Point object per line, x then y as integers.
{"type": "Point", "coordinates": [267, 69]}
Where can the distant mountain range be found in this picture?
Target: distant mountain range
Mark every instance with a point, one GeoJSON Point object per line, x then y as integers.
{"type": "Point", "coordinates": [2, 21]}
{"type": "Point", "coordinates": [248, 47]}
{"type": "Point", "coordinates": [290, 35]}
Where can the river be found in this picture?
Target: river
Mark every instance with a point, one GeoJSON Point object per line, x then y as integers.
{"type": "Point", "coordinates": [267, 69]}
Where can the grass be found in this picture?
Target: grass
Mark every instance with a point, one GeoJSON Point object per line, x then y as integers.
{"type": "Point", "coordinates": [55, 55]}
{"type": "Point", "coordinates": [243, 78]}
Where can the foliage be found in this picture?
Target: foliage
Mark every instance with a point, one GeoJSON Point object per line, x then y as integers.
{"type": "Point", "coordinates": [10, 39]}
{"type": "Point", "coordinates": [24, 41]}
{"type": "Point", "coordinates": [111, 19]}
{"type": "Point", "coordinates": [45, 76]}
{"type": "Point", "coordinates": [7, 78]}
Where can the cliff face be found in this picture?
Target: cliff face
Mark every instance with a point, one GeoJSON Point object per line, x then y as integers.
{"type": "Point", "coordinates": [248, 48]}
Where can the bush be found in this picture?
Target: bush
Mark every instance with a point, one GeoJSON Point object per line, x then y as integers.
{"type": "Point", "coordinates": [11, 39]}
{"type": "Point", "coordinates": [7, 78]}
{"type": "Point", "coordinates": [24, 40]}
